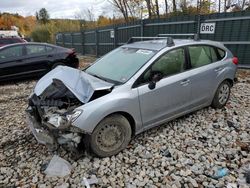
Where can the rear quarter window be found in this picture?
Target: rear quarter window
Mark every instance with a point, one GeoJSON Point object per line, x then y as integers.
{"type": "Point", "coordinates": [49, 49]}
{"type": "Point", "coordinates": [221, 53]}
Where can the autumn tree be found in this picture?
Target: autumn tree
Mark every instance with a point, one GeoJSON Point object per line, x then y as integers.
{"type": "Point", "coordinates": [166, 7]}
{"type": "Point", "coordinates": [122, 6]}
{"type": "Point", "coordinates": [42, 16]}
{"type": "Point", "coordinates": [174, 6]}
{"type": "Point", "coordinates": [157, 8]}
{"type": "Point", "coordinates": [149, 8]}
{"type": "Point", "coordinates": [184, 5]}
{"type": "Point", "coordinates": [103, 21]}
{"type": "Point", "coordinates": [25, 24]}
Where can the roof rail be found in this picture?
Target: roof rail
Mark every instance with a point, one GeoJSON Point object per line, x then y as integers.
{"type": "Point", "coordinates": [170, 41]}
{"type": "Point", "coordinates": [194, 35]}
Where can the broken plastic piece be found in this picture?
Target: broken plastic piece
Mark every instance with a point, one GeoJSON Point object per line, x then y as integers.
{"type": "Point", "coordinates": [165, 153]}
{"type": "Point", "coordinates": [58, 167]}
{"type": "Point", "coordinates": [91, 181]}
{"type": "Point", "coordinates": [221, 173]}
{"type": "Point", "coordinates": [247, 175]}
{"type": "Point", "coordinates": [55, 120]}
{"type": "Point", "coordinates": [244, 175]}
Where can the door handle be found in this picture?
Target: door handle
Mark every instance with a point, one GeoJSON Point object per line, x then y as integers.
{"type": "Point", "coordinates": [19, 60]}
{"type": "Point", "coordinates": [49, 55]}
{"type": "Point", "coordinates": [218, 69]}
{"type": "Point", "coordinates": [185, 82]}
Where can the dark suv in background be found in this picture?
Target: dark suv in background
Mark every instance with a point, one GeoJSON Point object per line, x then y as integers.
{"type": "Point", "coordinates": [10, 40]}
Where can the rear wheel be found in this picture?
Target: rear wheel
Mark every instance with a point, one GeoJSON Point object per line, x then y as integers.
{"type": "Point", "coordinates": [222, 95]}
{"type": "Point", "coordinates": [110, 136]}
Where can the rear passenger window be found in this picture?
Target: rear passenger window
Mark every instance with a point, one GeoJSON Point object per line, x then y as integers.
{"type": "Point", "coordinates": [35, 49]}
{"type": "Point", "coordinates": [202, 55]}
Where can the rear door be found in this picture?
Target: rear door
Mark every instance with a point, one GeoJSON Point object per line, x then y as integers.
{"type": "Point", "coordinates": [37, 58]}
{"type": "Point", "coordinates": [171, 95]}
{"type": "Point", "coordinates": [206, 71]}
{"type": "Point", "coordinates": [11, 61]}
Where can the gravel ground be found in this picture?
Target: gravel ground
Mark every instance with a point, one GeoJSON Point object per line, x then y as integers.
{"type": "Point", "coordinates": [186, 152]}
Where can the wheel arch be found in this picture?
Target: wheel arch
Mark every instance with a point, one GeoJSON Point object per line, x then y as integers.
{"type": "Point", "coordinates": [231, 82]}
{"type": "Point", "coordinates": [129, 117]}
{"type": "Point", "coordinates": [56, 63]}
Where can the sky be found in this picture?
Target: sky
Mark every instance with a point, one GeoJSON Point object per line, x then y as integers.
{"type": "Point", "coordinates": [56, 8]}
{"type": "Point", "coordinates": [66, 8]}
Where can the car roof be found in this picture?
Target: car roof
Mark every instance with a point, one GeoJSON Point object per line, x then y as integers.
{"type": "Point", "coordinates": [10, 38]}
{"type": "Point", "coordinates": [162, 43]}
{"type": "Point", "coordinates": [35, 43]}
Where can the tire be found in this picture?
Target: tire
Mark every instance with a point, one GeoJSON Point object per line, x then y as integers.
{"type": "Point", "coordinates": [110, 136]}
{"type": "Point", "coordinates": [222, 95]}
{"type": "Point", "coordinates": [57, 64]}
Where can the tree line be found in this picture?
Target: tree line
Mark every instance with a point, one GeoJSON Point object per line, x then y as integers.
{"type": "Point", "coordinates": [134, 9]}
{"type": "Point", "coordinates": [43, 29]}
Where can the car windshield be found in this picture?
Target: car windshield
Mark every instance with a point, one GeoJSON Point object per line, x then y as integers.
{"type": "Point", "coordinates": [120, 64]}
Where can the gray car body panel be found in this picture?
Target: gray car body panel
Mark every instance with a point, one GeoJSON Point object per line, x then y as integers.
{"type": "Point", "coordinates": [148, 108]}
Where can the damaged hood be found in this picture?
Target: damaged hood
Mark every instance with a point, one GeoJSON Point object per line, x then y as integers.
{"type": "Point", "coordinates": [79, 83]}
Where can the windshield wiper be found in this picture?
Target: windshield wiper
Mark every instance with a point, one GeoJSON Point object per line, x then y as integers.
{"type": "Point", "coordinates": [95, 75]}
{"type": "Point", "coordinates": [100, 77]}
{"type": "Point", "coordinates": [106, 79]}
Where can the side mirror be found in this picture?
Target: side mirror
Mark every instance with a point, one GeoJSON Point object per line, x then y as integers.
{"type": "Point", "coordinates": [151, 85]}
{"type": "Point", "coordinates": [155, 78]}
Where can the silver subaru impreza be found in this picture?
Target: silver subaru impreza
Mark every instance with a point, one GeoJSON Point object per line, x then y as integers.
{"type": "Point", "coordinates": [135, 87]}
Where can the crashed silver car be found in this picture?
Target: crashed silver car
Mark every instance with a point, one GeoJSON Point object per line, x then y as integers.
{"type": "Point", "coordinates": [131, 89]}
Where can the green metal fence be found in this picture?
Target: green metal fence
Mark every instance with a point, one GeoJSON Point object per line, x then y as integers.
{"type": "Point", "coordinates": [232, 29]}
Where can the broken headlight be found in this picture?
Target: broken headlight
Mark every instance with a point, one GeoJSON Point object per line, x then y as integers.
{"type": "Point", "coordinates": [72, 117]}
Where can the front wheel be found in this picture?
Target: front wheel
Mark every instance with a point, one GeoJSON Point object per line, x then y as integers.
{"type": "Point", "coordinates": [222, 95]}
{"type": "Point", "coordinates": [110, 136]}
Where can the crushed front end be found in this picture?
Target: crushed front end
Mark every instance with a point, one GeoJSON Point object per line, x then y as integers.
{"type": "Point", "coordinates": [50, 122]}
{"type": "Point", "coordinates": [53, 106]}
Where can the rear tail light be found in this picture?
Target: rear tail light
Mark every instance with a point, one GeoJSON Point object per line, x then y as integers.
{"type": "Point", "coordinates": [235, 60]}
{"type": "Point", "coordinates": [71, 52]}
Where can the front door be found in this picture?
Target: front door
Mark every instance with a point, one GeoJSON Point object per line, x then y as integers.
{"type": "Point", "coordinates": [37, 58]}
{"type": "Point", "coordinates": [171, 94]}
{"type": "Point", "coordinates": [11, 61]}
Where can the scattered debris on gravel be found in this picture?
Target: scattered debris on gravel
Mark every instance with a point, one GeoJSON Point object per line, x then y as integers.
{"type": "Point", "coordinates": [208, 148]}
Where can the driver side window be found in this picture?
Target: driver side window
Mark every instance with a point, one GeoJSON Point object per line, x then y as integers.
{"type": "Point", "coordinates": [169, 64]}
{"type": "Point", "coordinates": [11, 52]}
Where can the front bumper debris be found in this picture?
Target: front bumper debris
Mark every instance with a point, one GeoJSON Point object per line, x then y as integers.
{"type": "Point", "coordinates": [42, 135]}
{"type": "Point", "coordinates": [69, 137]}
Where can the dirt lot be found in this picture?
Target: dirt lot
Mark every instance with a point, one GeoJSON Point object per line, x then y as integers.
{"type": "Point", "coordinates": [186, 152]}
